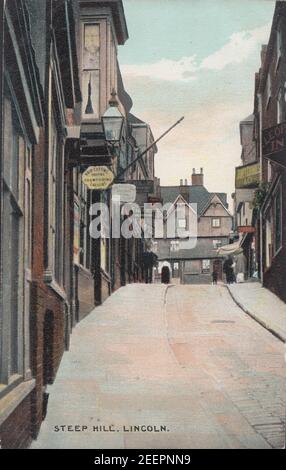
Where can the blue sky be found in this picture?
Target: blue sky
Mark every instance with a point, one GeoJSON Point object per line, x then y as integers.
{"type": "Point", "coordinates": [195, 58]}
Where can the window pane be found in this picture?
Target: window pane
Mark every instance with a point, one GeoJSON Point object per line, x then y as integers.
{"type": "Point", "coordinates": [91, 47]}
{"type": "Point", "coordinates": [90, 91]}
{"type": "Point", "coordinates": [15, 226]}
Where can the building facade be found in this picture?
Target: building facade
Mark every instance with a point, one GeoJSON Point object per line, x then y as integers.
{"type": "Point", "coordinates": [271, 118]}
{"type": "Point", "coordinates": [214, 224]}
{"type": "Point", "coordinates": [247, 179]}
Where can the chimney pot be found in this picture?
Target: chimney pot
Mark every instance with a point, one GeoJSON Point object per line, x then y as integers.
{"type": "Point", "coordinates": [181, 182]}
{"type": "Point", "coordinates": [198, 178]}
{"type": "Point", "coordinates": [186, 182]}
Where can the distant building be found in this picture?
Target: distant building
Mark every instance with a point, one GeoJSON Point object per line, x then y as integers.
{"type": "Point", "coordinates": [247, 179]}
{"type": "Point", "coordinates": [193, 266]}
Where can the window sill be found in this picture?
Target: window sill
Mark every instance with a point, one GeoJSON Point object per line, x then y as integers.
{"type": "Point", "coordinates": [12, 398]}
{"type": "Point", "coordinates": [55, 286]}
{"type": "Point", "coordinates": [83, 269]}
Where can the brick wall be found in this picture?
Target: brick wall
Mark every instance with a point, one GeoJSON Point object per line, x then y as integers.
{"type": "Point", "coordinates": [274, 277]}
{"type": "Point", "coordinates": [44, 302]}
{"type": "Point", "coordinates": [15, 432]}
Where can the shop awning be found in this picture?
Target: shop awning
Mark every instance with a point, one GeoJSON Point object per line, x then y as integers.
{"type": "Point", "coordinates": [232, 249]}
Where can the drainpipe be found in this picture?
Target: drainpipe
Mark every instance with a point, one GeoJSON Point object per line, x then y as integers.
{"type": "Point", "coordinates": [261, 179]}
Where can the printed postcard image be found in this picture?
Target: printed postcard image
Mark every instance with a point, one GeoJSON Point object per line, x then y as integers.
{"type": "Point", "coordinates": [142, 227]}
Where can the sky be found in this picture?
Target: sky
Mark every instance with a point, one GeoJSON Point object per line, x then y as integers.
{"type": "Point", "coordinates": [197, 59]}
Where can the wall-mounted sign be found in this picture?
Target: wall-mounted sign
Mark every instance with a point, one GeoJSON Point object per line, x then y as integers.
{"type": "Point", "coordinates": [247, 176]}
{"type": "Point", "coordinates": [246, 229]}
{"type": "Point", "coordinates": [97, 177]}
{"type": "Point", "coordinates": [124, 192]}
{"type": "Point", "coordinates": [274, 143]}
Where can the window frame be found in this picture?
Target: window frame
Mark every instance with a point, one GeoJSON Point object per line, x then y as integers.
{"type": "Point", "coordinates": [17, 201]}
{"type": "Point", "coordinates": [216, 219]}
{"type": "Point", "coordinates": [95, 116]}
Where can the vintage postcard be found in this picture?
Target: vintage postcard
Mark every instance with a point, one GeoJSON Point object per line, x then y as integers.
{"type": "Point", "coordinates": [142, 226]}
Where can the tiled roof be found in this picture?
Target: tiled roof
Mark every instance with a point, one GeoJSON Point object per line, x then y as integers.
{"type": "Point", "coordinates": [197, 195]}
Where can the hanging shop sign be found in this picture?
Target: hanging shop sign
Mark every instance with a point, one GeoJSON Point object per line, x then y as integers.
{"type": "Point", "coordinates": [97, 177]}
{"type": "Point", "coordinates": [247, 176]}
{"type": "Point", "coordinates": [124, 192]}
{"type": "Point", "coordinates": [274, 143]}
{"type": "Point", "coordinates": [246, 229]}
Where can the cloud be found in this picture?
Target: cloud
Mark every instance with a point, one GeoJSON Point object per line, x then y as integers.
{"type": "Point", "coordinates": [239, 48]}
{"type": "Point", "coordinates": [164, 69]}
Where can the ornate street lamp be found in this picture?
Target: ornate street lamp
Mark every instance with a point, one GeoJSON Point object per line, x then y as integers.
{"type": "Point", "coordinates": [112, 121]}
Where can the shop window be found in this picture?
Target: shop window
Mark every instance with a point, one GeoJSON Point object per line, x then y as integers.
{"type": "Point", "coordinates": [268, 239]}
{"type": "Point", "coordinates": [206, 265]}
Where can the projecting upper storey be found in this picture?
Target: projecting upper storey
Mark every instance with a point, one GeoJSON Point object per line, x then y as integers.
{"type": "Point", "coordinates": [113, 7]}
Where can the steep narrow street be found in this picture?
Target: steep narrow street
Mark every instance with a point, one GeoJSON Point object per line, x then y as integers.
{"type": "Point", "coordinates": [182, 363]}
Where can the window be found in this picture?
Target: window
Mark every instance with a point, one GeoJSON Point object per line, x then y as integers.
{"type": "Point", "coordinates": [182, 223]}
{"type": "Point", "coordinates": [278, 46]}
{"type": "Point", "coordinates": [280, 107]}
{"type": "Point", "coordinates": [17, 202]}
{"type": "Point", "coordinates": [56, 204]}
{"type": "Point", "coordinates": [268, 89]}
{"type": "Point", "coordinates": [268, 239]}
{"type": "Point", "coordinates": [84, 236]}
{"type": "Point", "coordinates": [217, 243]}
{"type": "Point", "coordinates": [278, 219]}
{"type": "Point", "coordinates": [174, 245]}
{"type": "Point", "coordinates": [215, 223]}
{"type": "Point", "coordinates": [155, 247]}
{"type": "Point", "coordinates": [206, 265]}
{"type": "Point", "coordinates": [91, 70]}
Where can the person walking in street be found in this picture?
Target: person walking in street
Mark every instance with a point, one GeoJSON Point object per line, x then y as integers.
{"type": "Point", "coordinates": [228, 270]}
{"type": "Point", "coordinates": [214, 277]}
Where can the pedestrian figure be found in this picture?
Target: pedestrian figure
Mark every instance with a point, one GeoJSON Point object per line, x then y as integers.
{"type": "Point", "coordinates": [214, 277]}
{"type": "Point", "coordinates": [165, 275]}
{"type": "Point", "coordinates": [228, 270]}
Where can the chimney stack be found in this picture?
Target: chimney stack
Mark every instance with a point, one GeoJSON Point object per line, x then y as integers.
{"type": "Point", "coordinates": [198, 178]}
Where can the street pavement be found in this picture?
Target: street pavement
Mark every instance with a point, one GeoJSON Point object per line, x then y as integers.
{"type": "Point", "coordinates": [185, 361]}
{"type": "Point", "coordinates": [262, 305]}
